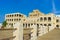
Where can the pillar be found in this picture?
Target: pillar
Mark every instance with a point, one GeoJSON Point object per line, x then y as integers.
{"type": "Point", "coordinates": [19, 32]}
{"type": "Point", "coordinates": [34, 34]}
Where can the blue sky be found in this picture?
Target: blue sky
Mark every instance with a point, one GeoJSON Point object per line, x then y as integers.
{"type": "Point", "coordinates": [26, 6]}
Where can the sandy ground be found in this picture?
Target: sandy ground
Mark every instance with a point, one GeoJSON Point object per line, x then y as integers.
{"type": "Point", "coordinates": [52, 35]}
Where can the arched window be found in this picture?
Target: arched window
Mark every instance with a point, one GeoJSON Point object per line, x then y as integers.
{"type": "Point", "coordinates": [57, 26]}
{"type": "Point", "coordinates": [57, 20]}
{"type": "Point", "coordinates": [12, 15]}
{"type": "Point", "coordinates": [28, 25]}
{"type": "Point", "coordinates": [11, 24]}
{"type": "Point", "coordinates": [12, 19]}
{"type": "Point", "coordinates": [45, 18]}
{"type": "Point", "coordinates": [49, 18]}
{"type": "Point", "coordinates": [45, 24]}
{"type": "Point", "coordinates": [17, 14]}
{"type": "Point", "coordinates": [49, 24]}
{"type": "Point", "coordinates": [41, 24]}
{"type": "Point", "coordinates": [19, 19]}
{"type": "Point", "coordinates": [37, 25]}
{"type": "Point", "coordinates": [41, 19]}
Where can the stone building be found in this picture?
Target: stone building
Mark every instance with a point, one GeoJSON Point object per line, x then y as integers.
{"type": "Point", "coordinates": [14, 18]}
{"type": "Point", "coordinates": [43, 22]}
{"type": "Point", "coordinates": [35, 17]}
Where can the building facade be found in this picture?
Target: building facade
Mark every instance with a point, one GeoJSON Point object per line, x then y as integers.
{"type": "Point", "coordinates": [34, 17]}
{"type": "Point", "coordinates": [43, 22]}
{"type": "Point", "coordinates": [14, 18]}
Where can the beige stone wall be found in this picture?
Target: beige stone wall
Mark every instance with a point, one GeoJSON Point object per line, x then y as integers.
{"type": "Point", "coordinates": [57, 23]}
{"type": "Point", "coordinates": [6, 34]}
{"type": "Point", "coordinates": [14, 19]}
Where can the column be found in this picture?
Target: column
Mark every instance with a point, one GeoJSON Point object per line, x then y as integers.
{"type": "Point", "coordinates": [34, 34]}
{"type": "Point", "coordinates": [19, 32]}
